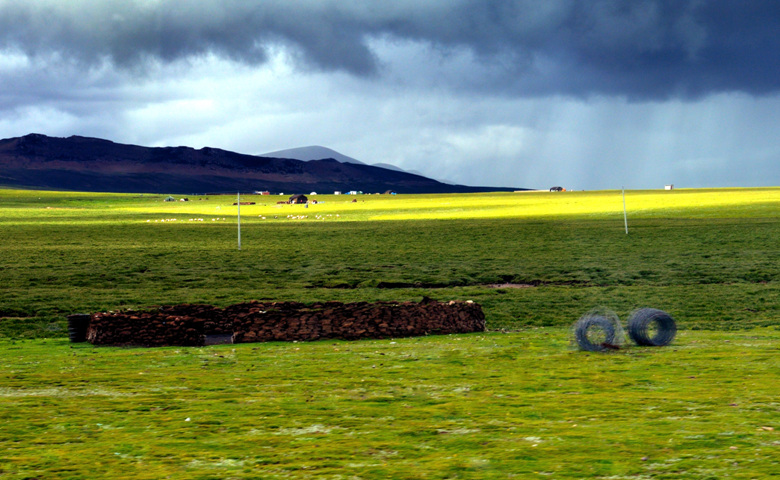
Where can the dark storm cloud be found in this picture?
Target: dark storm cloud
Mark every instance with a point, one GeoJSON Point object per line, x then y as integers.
{"type": "Point", "coordinates": [132, 33]}
{"type": "Point", "coordinates": [638, 48]}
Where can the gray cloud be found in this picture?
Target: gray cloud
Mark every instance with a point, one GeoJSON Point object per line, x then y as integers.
{"type": "Point", "coordinates": [641, 49]}
{"type": "Point", "coordinates": [585, 94]}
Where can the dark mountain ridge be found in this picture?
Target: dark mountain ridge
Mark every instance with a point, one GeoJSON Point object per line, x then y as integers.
{"type": "Point", "coordinates": [77, 163]}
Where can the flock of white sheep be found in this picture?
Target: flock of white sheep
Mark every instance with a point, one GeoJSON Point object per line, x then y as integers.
{"type": "Point", "coordinates": [316, 217]}
{"type": "Point", "coordinates": [262, 217]}
{"type": "Point", "coordinates": [164, 220]}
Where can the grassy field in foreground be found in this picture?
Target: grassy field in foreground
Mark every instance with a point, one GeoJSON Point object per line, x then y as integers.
{"type": "Point", "coordinates": [515, 402]}
{"type": "Point", "coordinates": [706, 256]}
{"type": "Point", "coordinates": [496, 405]}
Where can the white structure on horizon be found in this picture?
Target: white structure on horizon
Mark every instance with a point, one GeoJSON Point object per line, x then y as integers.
{"type": "Point", "coordinates": [669, 186]}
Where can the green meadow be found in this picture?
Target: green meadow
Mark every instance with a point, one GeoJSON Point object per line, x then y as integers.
{"type": "Point", "coordinates": [515, 402]}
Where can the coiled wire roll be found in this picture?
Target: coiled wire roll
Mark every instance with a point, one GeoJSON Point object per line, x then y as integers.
{"type": "Point", "coordinates": [651, 327]}
{"type": "Point", "coordinates": [598, 330]}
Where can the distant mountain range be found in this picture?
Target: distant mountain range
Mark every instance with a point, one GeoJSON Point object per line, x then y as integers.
{"type": "Point", "coordinates": [90, 164]}
{"type": "Point", "coordinates": [313, 152]}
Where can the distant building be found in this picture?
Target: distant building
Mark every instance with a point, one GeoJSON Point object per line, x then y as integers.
{"type": "Point", "coordinates": [337, 192]}
{"type": "Point", "coordinates": [264, 192]}
{"type": "Point", "coordinates": [298, 199]}
{"type": "Point", "coordinates": [557, 189]}
{"type": "Point", "coordinates": [669, 187]}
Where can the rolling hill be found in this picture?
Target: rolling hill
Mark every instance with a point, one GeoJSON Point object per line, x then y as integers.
{"type": "Point", "coordinates": [78, 163]}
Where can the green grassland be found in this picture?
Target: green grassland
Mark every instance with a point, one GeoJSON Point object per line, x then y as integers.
{"type": "Point", "coordinates": [515, 402]}
{"type": "Point", "coordinates": [496, 405]}
{"type": "Point", "coordinates": [709, 257]}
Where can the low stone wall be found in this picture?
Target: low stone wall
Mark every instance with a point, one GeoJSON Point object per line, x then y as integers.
{"type": "Point", "coordinates": [193, 325]}
{"type": "Point", "coordinates": [183, 325]}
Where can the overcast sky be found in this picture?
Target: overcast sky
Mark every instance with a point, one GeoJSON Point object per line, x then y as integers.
{"type": "Point", "coordinates": [587, 94]}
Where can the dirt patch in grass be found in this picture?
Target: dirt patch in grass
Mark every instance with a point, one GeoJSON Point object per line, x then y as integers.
{"type": "Point", "coordinates": [509, 285]}
{"type": "Point", "coordinates": [414, 285]}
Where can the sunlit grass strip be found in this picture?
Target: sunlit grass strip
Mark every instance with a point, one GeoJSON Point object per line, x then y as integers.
{"type": "Point", "coordinates": [54, 207]}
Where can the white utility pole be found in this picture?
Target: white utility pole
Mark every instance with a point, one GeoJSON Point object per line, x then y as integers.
{"type": "Point", "coordinates": [625, 216]}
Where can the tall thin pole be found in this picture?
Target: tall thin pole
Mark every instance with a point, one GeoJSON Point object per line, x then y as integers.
{"type": "Point", "coordinates": [625, 216]}
{"type": "Point", "coordinates": [238, 203]}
